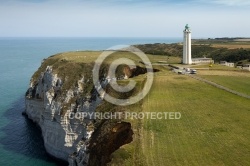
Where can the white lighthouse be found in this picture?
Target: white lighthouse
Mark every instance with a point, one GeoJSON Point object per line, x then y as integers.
{"type": "Point", "coordinates": [187, 59]}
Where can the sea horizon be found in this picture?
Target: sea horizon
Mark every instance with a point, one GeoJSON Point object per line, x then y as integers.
{"type": "Point", "coordinates": [20, 58]}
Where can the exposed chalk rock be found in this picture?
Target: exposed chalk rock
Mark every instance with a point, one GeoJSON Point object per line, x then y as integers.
{"type": "Point", "coordinates": [62, 135]}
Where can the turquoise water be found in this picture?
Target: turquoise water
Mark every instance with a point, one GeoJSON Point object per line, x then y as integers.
{"type": "Point", "coordinates": [20, 140]}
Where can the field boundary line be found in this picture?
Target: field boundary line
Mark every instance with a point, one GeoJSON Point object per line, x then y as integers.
{"type": "Point", "coordinates": [219, 86]}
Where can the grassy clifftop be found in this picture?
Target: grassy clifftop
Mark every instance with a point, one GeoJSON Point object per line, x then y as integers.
{"type": "Point", "coordinates": [72, 67]}
{"type": "Point", "coordinates": [75, 64]}
{"type": "Point", "coordinates": [66, 61]}
{"type": "Point", "coordinates": [213, 129]}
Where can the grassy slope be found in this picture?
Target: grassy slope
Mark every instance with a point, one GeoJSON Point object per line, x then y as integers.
{"type": "Point", "coordinates": [216, 67]}
{"type": "Point", "coordinates": [213, 130]}
{"type": "Point", "coordinates": [237, 80]}
{"type": "Point", "coordinates": [240, 84]}
{"type": "Point", "coordinates": [69, 61]}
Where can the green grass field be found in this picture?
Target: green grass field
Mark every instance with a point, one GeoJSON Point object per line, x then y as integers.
{"type": "Point", "coordinates": [216, 67]}
{"type": "Point", "coordinates": [237, 80]}
{"type": "Point", "coordinates": [214, 128]}
{"type": "Point", "coordinates": [236, 83]}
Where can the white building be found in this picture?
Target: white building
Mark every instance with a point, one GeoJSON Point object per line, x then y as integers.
{"type": "Point", "coordinates": [202, 60]}
{"type": "Point", "coordinates": [246, 67]}
{"type": "Point", "coordinates": [230, 64]}
{"type": "Point", "coordinates": [225, 63]}
{"type": "Point", "coordinates": [187, 46]}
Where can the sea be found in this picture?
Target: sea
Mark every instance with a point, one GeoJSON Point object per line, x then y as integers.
{"type": "Point", "coordinates": [21, 140]}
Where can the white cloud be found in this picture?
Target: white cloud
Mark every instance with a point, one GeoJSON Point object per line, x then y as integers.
{"type": "Point", "coordinates": [230, 2]}
{"type": "Point", "coordinates": [99, 18]}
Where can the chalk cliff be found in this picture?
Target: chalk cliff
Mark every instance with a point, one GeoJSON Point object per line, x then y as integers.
{"type": "Point", "coordinates": [60, 87]}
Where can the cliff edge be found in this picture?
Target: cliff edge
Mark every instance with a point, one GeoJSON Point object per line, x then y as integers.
{"type": "Point", "coordinates": [62, 87]}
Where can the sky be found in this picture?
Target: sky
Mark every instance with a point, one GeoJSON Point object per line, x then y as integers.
{"type": "Point", "coordinates": [124, 18]}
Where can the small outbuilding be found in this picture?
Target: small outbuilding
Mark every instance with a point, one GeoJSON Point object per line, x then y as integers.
{"type": "Point", "coordinates": [225, 63]}
{"type": "Point", "coordinates": [202, 60]}
{"type": "Point", "coordinates": [246, 67]}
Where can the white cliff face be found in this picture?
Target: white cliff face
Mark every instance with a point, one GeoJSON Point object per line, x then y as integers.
{"type": "Point", "coordinates": [52, 99]}
{"type": "Point", "coordinates": [62, 135]}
